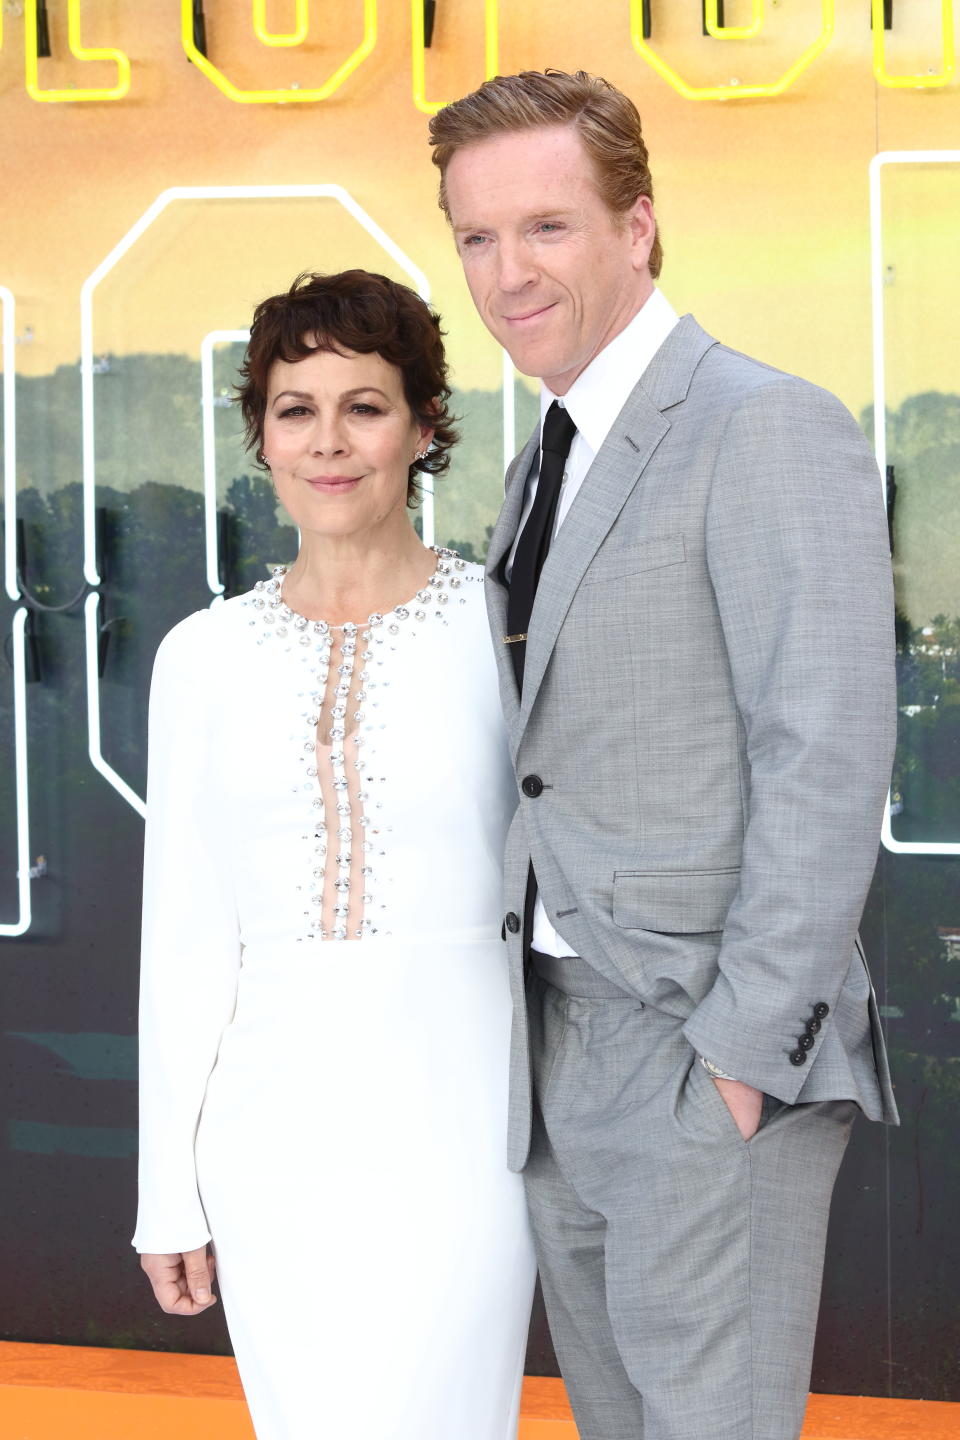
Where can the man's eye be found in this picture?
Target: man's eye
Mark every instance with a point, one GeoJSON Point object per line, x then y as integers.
{"type": "Point", "coordinates": [472, 241]}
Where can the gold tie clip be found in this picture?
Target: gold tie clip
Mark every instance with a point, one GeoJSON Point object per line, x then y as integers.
{"type": "Point", "coordinates": [512, 639]}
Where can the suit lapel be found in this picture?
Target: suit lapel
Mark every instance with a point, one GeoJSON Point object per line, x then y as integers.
{"type": "Point", "coordinates": [603, 494]}
{"type": "Point", "coordinates": [634, 437]}
{"type": "Point", "coordinates": [608, 484]}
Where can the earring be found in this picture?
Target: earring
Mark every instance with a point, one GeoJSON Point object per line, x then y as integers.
{"type": "Point", "coordinates": [421, 455]}
{"type": "Point", "coordinates": [262, 459]}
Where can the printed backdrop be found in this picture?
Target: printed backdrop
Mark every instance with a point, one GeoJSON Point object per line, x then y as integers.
{"type": "Point", "coordinates": [150, 197]}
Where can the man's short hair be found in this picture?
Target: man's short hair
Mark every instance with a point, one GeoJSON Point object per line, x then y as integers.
{"type": "Point", "coordinates": [607, 122]}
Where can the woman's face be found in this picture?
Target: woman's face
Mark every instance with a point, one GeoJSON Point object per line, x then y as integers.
{"type": "Point", "coordinates": [339, 438]}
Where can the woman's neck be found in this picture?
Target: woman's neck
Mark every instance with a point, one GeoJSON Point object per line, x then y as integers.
{"type": "Point", "coordinates": [346, 578]}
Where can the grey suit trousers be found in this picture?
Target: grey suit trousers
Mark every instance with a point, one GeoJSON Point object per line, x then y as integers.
{"type": "Point", "coordinates": [671, 1320]}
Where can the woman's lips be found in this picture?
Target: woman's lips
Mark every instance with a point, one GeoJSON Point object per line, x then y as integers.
{"type": "Point", "coordinates": [333, 484]}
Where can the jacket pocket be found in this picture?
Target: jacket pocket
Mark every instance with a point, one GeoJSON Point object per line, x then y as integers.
{"type": "Point", "coordinates": [617, 563]}
{"type": "Point", "coordinates": [676, 902]}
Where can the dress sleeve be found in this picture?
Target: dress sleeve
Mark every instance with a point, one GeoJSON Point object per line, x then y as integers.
{"type": "Point", "coordinates": [190, 954]}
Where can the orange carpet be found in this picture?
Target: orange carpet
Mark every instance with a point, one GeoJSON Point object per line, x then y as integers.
{"type": "Point", "coordinates": [62, 1392]}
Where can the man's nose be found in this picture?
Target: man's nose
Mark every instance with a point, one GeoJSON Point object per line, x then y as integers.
{"type": "Point", "coordinates": [516, 269]}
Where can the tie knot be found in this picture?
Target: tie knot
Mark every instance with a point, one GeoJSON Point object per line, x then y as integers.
{"type": "Point", "coordinates": [558, 431]}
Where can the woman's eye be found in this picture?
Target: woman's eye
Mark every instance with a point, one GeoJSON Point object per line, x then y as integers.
{"type": "Point", "coordinates": [360, 408]}
{"type": "Point", "coordinates": [293, 410]}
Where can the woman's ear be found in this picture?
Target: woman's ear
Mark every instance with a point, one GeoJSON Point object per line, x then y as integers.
{"type": "Point", "coordinates": [426, 439]}
{"type": "Point", "coordinates": [427, 431]}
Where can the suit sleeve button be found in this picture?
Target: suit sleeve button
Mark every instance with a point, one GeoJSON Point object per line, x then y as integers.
{"type": "Point", "coordinates": [813, 1026]}
{"type": "Point", "coordinates": [532, 786]}
{"type": "Point", "coordinates": [806, 1042]}
{"type": "Point", "coordinates": [512, 922]}
{"type": "Point", "coordinates": [821, 1010]}
{"type": "Point", "coordinates": [798, 1057]}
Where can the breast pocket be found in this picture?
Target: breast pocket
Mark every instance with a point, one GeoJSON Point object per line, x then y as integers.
{"type": "Point", "coordinates": [616, 563]}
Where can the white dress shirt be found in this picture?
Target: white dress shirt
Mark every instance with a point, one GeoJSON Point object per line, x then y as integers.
{"type": "Point", "coordinates": [594, 401]}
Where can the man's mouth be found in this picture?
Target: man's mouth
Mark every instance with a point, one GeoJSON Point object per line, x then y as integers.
{"type": "Point", "coordinates": [527, 316]}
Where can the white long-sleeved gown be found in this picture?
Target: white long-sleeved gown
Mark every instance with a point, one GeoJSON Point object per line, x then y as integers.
{"type": "Point", "coordinates": [325, 1010]}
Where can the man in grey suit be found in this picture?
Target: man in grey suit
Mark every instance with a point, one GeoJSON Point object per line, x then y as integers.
{"type": "Point", "coordinates": [690, 594]}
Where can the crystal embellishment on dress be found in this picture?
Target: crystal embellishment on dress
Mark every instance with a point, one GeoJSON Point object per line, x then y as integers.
{"type": "Point", "coordinates": [345, 889]}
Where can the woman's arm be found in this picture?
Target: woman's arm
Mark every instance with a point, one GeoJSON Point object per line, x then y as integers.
{"type": "Point", "coordinates": [191, 947]}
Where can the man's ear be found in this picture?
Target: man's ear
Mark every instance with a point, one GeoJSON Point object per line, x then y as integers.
{"type": "Point", "coordinates": [642, 224]}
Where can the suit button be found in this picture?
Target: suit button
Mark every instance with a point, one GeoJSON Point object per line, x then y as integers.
{"type": "Point", "coordinates": [821, 1010]}
{"type": "Point", "coordinates": [798, 1057]}
{"type": "Point", "coordinates": [813, 1026]}
{"type": "Point", "coordinates": [512, 922]}
{"type": "Point", "coordinates": [532, 786]}
{"type": "Point", "coordinates": [805, 1041]}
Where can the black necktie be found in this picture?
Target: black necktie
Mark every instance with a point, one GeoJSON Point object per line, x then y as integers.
{"type": "Point", "coordinates": [558, 433]}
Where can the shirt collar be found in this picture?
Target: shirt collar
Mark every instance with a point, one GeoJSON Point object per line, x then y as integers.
{"type": "Point", "coordinates": [597, 396]}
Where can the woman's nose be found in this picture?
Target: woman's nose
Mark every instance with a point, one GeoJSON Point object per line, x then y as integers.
{"type": "Point", "coordinates": [328, 438]}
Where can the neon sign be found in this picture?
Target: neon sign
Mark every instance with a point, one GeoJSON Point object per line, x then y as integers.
{"type": "Point", "coordinates": [79, 52]}
{"type": "Point", "coordinates": [279, 96]}
{"type": "Point", "coordinates": [18, 630]}
{"type": "Point", "coordinates": [418, 59]}
{"type": "Point", "coordinates": [297, 35]}
{"type": "Point", "coordinates": [934, 78]}
{"type": "Point", "coordinates": [732, 91]}
{"type": "Point", "coordinates": [87, 371]}
{"type": "Point", "coordinates": [711, 21]}
{"type": "Point", "coordinates": [877, 164]}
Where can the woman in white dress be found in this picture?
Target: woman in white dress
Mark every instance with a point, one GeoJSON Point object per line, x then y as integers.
{"type": "Point", "coordinates": [324, 1009]}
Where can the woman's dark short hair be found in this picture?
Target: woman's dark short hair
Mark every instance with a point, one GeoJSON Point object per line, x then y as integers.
{"type": "Point", "coordinates": [365, 312]}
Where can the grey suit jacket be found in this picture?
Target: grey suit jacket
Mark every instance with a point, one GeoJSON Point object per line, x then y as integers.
{"type": "Point", "coordinates": [709, 703]}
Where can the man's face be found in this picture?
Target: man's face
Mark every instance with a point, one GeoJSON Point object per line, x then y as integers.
{"type": "Point", "coordinates": [554, 275]}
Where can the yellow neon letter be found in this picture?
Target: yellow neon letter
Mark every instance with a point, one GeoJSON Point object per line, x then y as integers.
{"type": "Point", "coordinates": [914, 82]}
{"type": "Point", "coordinates": [78, 51]}
{"type": "Point", "coordinates": [711, 19]}
{"type": "Point", "coordinates": [731, 92]}
{"type": "Point", "coordinates": [279, 96]}
{"type": "Point", "coordinates": [296, 36]}
{"type": "Point", "coordinates": [491, 56]}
